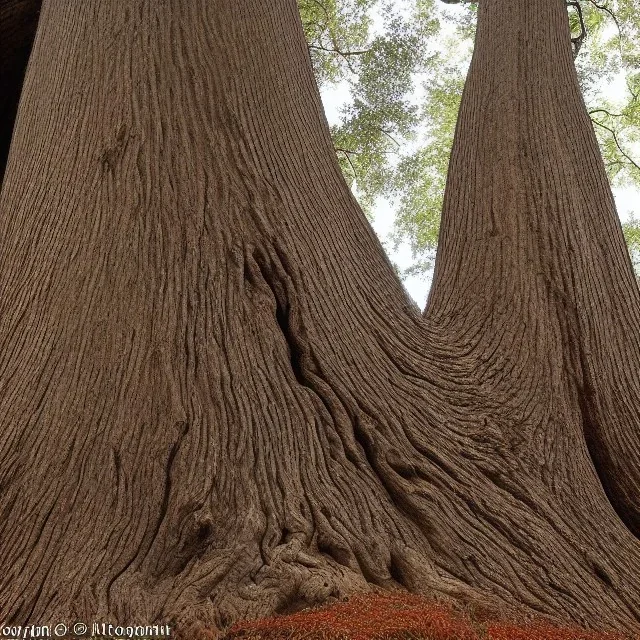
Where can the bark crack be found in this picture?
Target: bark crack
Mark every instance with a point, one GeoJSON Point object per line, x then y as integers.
{"type": "Point", "coordinates": [173, 452]}
{"type": "Point", "coordinates": [598, 451]}
{"type": "Point", "coordinates": [275, 276]}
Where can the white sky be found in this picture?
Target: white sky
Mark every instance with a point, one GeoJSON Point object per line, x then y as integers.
{"type": "Point", "coordinates": [333, 98]}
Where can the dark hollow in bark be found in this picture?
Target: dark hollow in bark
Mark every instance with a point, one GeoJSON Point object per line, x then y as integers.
{"type": "Point", "coordinates": [18, 22]}
{"type": "Point", "coordinates": [216, 400]}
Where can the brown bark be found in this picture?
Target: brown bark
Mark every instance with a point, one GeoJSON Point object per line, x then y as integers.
{"type": "Point", "coordinates": [216, 400]}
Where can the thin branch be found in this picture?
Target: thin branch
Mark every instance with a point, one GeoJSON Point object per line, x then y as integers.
{"type": "Point", "coordinates": [323, 7]}
{"type": "Point", "coordinates": [386, 133]}
{"type": "Point", "coordinates": [577, 40]}
{"type": "Point", "coordinates": [617, 143]}
{"type": "Point", "coordinates": [319, 27]}
{"type": "Point", "coordinates": [601, 110]}
{"type": "Point", "coordinates": [347, 153]}
{"type": "Point", "coordinates": [613, 16]}
{"type": "Point", "coordinates": [344, 54]}
{"type": "Point", "coordinates": [336, 49]}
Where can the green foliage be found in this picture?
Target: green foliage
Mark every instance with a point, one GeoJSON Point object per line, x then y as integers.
{"type": "Point", "coordinates": [379, 67]}
{"type": "Point", "coordinates": [612, 51]}
{"type": "Point", "coordinates": [419, 180]}
{"type": "Point", "coordinates": [631, 230]}
{"type": "Point", "coordinates": [336, 31]}
{"type": "Point", "coordinates": [404, 65]}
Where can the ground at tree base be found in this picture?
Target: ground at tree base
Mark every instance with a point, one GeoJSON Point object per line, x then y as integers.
{"type": "Point", "coordinates": [397, 616]}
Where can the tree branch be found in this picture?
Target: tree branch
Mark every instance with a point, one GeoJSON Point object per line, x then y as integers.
{"type": "Point", "coordinates": [322, 7]}
{"type": "Point", "coordinates": [578, 40]}
{"type": "Point", "coordinates": [347, 153]}
{"type": "Point", "coordinates": [617, 143]}
{"type": "Point", "coordinates": [601, 110]}
{"type": "Point", "coordinates": [604, 7]}
{"type": "Point", "coordinates": [386, 133]}
{"type": "Point", "coordinates": [344, 54]}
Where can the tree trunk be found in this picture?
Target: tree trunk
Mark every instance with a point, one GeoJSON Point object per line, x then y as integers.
{"type": "Point", "coordinates": [216, 400]}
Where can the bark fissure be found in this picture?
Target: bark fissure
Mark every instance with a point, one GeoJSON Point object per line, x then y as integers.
{"type": "Point", "coordinates": [343, 418]}
{"type": "Point", "coordinates": [226, 372]}
{"type": "Point", "coordinates": [603, 464]}
{"type": "Point", "coordinates": [183, 430]}
{"type": "Point", "coordinates": [279, 281]}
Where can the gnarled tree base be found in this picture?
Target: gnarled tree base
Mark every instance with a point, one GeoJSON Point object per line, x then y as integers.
{"type": "Point", "coordinates": [216, 401]}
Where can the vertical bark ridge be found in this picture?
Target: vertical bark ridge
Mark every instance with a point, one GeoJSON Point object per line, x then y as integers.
{"type": "Point", "coordinates": [214, 356]}
{"type": "Point", "coordinates": [528, 206]}
{"type": "Point", "coordinates": [163, 208]}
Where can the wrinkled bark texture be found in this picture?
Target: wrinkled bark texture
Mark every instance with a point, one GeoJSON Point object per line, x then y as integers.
{"type": "Point", "coordinates": [216, 400]}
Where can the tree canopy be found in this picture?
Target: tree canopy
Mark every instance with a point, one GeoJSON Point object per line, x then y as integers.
{"type": "Point", "coordinates": [404, 65]}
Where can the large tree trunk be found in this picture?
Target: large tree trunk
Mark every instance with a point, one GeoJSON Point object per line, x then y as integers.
{"type": "Point", "coordinates": [216, 400]}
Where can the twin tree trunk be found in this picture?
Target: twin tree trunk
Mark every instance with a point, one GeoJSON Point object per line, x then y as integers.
{"type": "Point", "coordinates": [216, 400]}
